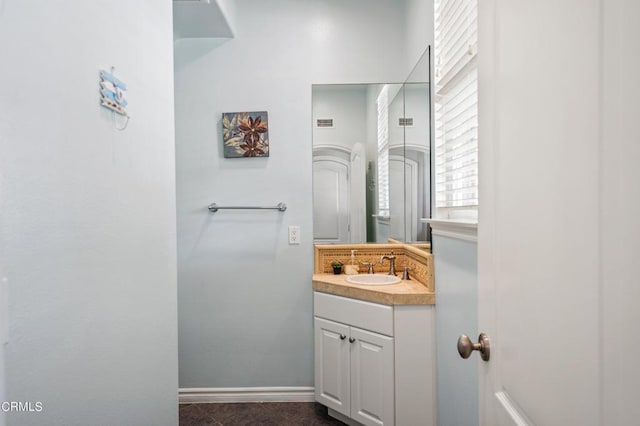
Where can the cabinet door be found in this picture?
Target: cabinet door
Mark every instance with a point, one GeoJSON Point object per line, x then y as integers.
{"type": "Point", "coordinates": [372, 378]}
{"type": "Point", "coordinates": [332, 369]}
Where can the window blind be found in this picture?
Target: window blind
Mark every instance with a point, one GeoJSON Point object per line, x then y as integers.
{"type": "Point", "coordinates": [383, 151]}
{"type": "Point", "coordinates": [456, 103]}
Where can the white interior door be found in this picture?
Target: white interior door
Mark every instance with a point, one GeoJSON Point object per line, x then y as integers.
{"type": "Point", "coordinates": [330, 200]}
{"type": "Point", "coordinates": [403, 198]}
{"type": "Point", "coordinates": [396, 197]}
{"type": "Point", "coordinates": [558, 93]}
{"type": "Point", "coordinates": [411, 185]}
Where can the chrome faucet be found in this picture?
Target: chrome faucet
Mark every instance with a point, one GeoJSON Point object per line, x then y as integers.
{"type": "Point", "coordinates": [392, 262]}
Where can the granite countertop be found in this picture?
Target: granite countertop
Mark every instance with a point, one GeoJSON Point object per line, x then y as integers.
{"type": "Point", "coordinates": [406, 292]}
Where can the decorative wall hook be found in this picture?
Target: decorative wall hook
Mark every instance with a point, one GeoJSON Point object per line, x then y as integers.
{"type": "Point", "coordinates": [112, 95]}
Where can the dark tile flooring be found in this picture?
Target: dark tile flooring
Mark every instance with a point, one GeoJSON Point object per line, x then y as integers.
{"type": "Point", "coordinates": [268, 413]}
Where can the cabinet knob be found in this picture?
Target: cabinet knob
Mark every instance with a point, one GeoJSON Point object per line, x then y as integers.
{"type": "Point", "coordinates": [352, 339]}
{"type": "Point", "coordinates": [342, 337]}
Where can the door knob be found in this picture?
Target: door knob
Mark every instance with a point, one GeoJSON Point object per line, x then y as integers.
{"type": "Point", "coordinates": [342, 337]}
{"type": "Point", "coordinates": [466, 346]}
{"type": "Point", "coordinates": [351, 339]}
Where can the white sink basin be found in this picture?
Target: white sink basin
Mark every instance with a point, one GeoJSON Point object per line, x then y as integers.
{"type": "Point", "coordinates": [373, 279]}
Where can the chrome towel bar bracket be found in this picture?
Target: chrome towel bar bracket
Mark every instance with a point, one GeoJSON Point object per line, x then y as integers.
{"type": "Point", "coordinates": [213, 207]}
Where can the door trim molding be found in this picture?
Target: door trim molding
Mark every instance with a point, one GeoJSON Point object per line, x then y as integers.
{"type": "Point", "coordinates": [331, 147]}
{"type": "Point", "coordinates": [252, 394]}
{"type": "Point", "coordinates": [512, 412]}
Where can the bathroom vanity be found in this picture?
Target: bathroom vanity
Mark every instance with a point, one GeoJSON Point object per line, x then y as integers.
{"type": "Point", "coordinates": [375, 345]}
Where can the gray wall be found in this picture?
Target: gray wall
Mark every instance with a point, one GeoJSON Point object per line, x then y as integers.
{"type": "Point", "coordinates": [419, 28]}
{"type": "Point", "coordinates": [456, 276]}
{"type": "Point", "coordinates": [245, 299]}
{"type": "Point", "coordinates": [87, 229]}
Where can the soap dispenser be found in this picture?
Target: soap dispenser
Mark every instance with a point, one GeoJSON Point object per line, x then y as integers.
{"type": "Point", "coordinates": [352, 268]}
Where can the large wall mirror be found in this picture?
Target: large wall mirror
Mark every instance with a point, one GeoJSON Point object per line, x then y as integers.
{"type": "Point", "coordinates": [371, 160]}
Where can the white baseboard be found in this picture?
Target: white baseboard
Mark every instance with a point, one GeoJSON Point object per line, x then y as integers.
{"type": "Point", "coordinates": [265, 394]}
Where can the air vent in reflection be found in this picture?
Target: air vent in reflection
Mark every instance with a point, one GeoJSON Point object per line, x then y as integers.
{"type": "Point", "coordinates": [324, 122]}
{"type": "Point", "coordinates": [405, 122]}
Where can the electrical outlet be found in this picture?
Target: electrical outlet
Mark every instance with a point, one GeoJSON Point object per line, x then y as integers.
{"type": "Point", "coordinates": [294, 235]}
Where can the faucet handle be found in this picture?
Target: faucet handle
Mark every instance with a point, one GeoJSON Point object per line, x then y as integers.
{"type": "Point", "coordinates": [368, 265]}
{"type": "Point", "coordinates": [405, 273]}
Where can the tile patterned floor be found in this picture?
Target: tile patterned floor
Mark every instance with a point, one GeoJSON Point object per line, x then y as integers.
{"type": "Point", "coordinates": [267, 414]}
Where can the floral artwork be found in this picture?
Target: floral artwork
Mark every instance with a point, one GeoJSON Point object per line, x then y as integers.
{"type": "Point", "coordinates": [245, 134]}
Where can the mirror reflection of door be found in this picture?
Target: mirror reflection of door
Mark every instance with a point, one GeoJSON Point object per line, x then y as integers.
{"type": "Point", "coordinates": [408, 194]}
{"type": "Point", "coordinates": [331, 200]}
{"type": "Point", "coordinates": [396, 198]}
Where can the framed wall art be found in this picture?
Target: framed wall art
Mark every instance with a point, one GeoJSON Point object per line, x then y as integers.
{"type": "Point", "coordinates": [245, 134]}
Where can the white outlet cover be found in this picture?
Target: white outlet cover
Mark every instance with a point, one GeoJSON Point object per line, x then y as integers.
{"type": "Point", "coordinates": [294, 235]}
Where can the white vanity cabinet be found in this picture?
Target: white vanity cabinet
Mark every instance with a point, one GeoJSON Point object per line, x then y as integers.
{"type": "Point", "coordinates": [354, 372]}
{"type": "Point", "coordinates": [373, 362]}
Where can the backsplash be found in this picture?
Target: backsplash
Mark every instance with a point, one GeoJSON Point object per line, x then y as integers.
{"type": "Point", "coordinates": [418, 259]}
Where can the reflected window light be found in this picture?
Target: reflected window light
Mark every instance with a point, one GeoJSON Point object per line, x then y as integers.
{"type": "Point", "coordinates": [383, 151]}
